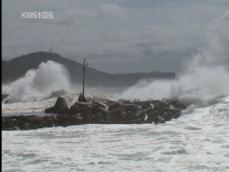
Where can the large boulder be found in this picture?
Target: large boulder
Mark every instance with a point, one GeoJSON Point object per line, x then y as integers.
{"type": "Point", "coordinates": [117, 115]}
{"type": "Point", "coordinates": [74, 109]}
{"type": "Point", "coordinates": [82, 98]}
{"type": "Point", "coordinates": [60, 107]}
{"type": "Point", "coordinates": [131, 107]}
{"type": "Point", "coordinates": [101, 115]}
{"type": "Point", "coordinates": [85, 109]}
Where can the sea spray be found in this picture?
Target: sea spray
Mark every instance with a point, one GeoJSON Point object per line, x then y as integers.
{"type": "Point", "coordinates": [205, 78]}
{"type": "Point", "coordinates": [39, 83]}
{"type": "Point", "coordinates": [201, 87]}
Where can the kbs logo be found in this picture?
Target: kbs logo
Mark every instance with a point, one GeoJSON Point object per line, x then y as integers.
{"type": "Point", "coordinates": [37, 15]}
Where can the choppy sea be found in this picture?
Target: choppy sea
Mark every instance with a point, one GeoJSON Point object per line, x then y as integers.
{"type": "Point", "coordinates": [197, 141]}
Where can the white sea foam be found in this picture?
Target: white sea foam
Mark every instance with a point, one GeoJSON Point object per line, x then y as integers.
{"type": "Point", "coordinates": [198, 141]}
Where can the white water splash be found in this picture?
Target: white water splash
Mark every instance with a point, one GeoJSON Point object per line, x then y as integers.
{"type": "Point", "coordinates": [205, 78]}
{"type": "Point", "coordinates": [39, 83]}
{"type": "Point", "coordinates": [200, 86]}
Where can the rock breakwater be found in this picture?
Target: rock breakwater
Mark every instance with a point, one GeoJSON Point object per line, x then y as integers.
{"type": "Point", "coordinates": [98, 111]}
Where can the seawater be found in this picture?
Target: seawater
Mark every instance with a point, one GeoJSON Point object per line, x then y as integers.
{"type": "Point", "coordinates": [197, 141]}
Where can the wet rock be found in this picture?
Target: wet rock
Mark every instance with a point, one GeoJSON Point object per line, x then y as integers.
{"type": "Point", "coordinates": [145, 105]}
{"type": "Point", "coordinates": [115, 105]}
{"type": "Point", "coordinates": [74, 109]}
{"type": "Point", "coordinates": [60, 107]}
{"type": "Point", "coordinates": [100, 104]}
{"type": "Point", "coordinates": [101, 115]}
{"type": "Point", "coordinates": [82, 98]}
{"type": "Point", "coordinates": [117, 115]}
{"type": "Point", "coordinates": [177, 104]}
{"type": "Point", "coordinates": [130, 117]}
{"type": "Point", "coordinates": [86, 111]}
{"type": "Point", "coordinates": [131, 107]}
{"type": "Point", "coordinates": [98, 111]}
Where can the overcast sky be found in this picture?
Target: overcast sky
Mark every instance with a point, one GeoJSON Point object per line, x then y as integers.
{"type": "Point", "coordinates": [114, 35]}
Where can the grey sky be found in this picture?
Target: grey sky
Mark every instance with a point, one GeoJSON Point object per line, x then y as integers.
{"type": "Point", "coordinates": [115, 35]}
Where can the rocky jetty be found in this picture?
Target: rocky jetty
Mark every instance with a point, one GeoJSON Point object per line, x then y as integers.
{"type": "Point", "coordinates": [94, 111]}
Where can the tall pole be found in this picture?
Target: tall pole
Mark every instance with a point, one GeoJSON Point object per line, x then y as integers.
{"type": "Point", "coordinates": [84, 68]}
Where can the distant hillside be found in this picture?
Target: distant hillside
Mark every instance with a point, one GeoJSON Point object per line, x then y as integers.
{"type": "Point", "coordinates": [17, 67]}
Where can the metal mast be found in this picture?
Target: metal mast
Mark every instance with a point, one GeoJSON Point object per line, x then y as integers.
{"type": "Point", "coordinates": [84, 70]}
